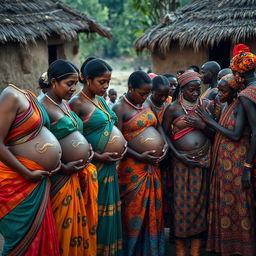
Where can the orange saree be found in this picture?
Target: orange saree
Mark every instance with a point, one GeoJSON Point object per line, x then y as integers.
{"type": "Point", "coordinates": [141, 196]}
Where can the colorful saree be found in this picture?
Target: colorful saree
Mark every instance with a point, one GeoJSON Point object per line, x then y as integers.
{"type": "Point", "coordinates": [189, 186]}
{"type": "Point", "coordinates": [97, 130]}
{"type": "Point", "coordinates": [231, 213]}
{"type": "Point", "coordinates": [141, 196]}
{"type": "Point", "coordinates": [26, 219]}
{"type": "Point", "coordinates": [74, 200]}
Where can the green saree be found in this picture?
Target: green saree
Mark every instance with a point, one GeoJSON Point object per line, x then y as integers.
{"type": "Point", "coordinates": [97, 130]}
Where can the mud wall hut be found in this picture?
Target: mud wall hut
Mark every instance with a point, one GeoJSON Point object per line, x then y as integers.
{"type": "Point", "coordinates": [201, 31]}
{"type": "Point", "coordinates": [33, 33]}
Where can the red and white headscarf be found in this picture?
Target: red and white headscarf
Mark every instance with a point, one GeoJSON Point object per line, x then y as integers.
{"type": "Point", "coordinates": [188, 77]}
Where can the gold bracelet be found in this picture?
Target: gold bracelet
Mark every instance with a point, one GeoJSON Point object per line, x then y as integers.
{"type": "Point", "coordinates": [248, 165]}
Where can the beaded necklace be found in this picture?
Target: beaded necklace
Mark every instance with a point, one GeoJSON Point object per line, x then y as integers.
{"type": "Point", "coordinates": [66, 112]}
{"type": "Point", "coordinates": [132, 105]}
{"type": "Point", "coordinates": [188, 106]}
{"type": "Point", "coordinates": [99, 105]}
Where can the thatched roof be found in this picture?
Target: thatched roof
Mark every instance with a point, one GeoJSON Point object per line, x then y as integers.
{"type": "Point", "coordinates": [202, 23]}
{"type": "Point", "coordinates": [27, 20]}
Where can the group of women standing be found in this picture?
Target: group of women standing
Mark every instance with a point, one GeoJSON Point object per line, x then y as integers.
{"type": "Point", "coordinates": [78, 178]}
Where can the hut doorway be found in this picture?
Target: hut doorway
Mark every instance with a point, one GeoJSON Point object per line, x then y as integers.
{"type": "Point", "coordinates": [55, 52]}
{"type": "Point", "coordinates": [221, 54]}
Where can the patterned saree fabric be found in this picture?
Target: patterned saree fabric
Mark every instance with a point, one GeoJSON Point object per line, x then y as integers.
{"type": "Point", "coordinates": [97, 129]}
{"type": "Point", "coordinates": [26, 219]}
{"type": "Point", "coordinates": [231, 213]}
{"type": "Point", "coordinates": [189, 185]}
{"type": "Point", "coordinates": [141, 196]}
{"type": "Point", "coordinates": [74, 200]}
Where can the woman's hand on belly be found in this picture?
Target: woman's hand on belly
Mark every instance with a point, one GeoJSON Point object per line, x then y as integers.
{"type": "Point", "coordinates": [107, 157]}
{"type": "Point", "coordinates": [188, 160]}
{"type": "Point", "coordinates": [73, 167]}
{"type": "Point", "coordinates": [36, 175]}
{"type": "Point", "coordinates": [148, 157]}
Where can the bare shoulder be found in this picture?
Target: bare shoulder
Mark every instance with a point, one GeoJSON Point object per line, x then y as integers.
{"type": "Point", "coordinates": [119, 106]}
{"type": "Point", "coordinates": [10, 97]}
{"type": "Point", "coordinates": [172, 107]}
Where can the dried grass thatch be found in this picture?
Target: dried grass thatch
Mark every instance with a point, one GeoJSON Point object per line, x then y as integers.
{"type": "Point", "coordinates": [27, 20]}
{"type": "Point", "coordinates": [202, 23]}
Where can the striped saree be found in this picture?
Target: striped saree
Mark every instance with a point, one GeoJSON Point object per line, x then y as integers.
{"type": "Point", "coordinates": [74, 201]}
{"type": "Point", "coordinates": [26, 219]}
{"type": "Point", "coordinates": [141, 196]}
{"type": "Point", "coordinates": [97, 130]}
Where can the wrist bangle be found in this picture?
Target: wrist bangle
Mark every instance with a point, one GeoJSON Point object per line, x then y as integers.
{"type": "Point", "coordinates": [248, 165]}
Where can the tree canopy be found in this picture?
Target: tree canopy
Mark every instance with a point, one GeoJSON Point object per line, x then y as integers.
{"type": "Point", "coordinates": [127, 19]}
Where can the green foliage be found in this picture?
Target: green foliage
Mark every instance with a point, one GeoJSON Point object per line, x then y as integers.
{"type": "Point", "coordinates": [127, 20]}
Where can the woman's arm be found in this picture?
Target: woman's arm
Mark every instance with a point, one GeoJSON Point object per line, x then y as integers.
{"type": "Point", "coordinates": [9, 108]}
{"type": "Point", "coordinates": [235, 134]}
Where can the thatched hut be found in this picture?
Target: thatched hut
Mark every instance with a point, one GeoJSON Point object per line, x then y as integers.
{"type": "Point", "coordinates": [201, 31]}
{"type": "Point", "coordinates": [33, 33]}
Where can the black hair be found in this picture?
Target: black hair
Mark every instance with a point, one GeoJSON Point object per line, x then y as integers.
{"type": "Point", "coordinates": [194, 68]}
{"type": "Point", "coordinates": [60, 70]}
{"type": "Point", "coordinates": [176, 93]}
{"type": "Point", "coordinates": [138, 78]}
{"type": "Point", "coordinates": [159, 81]}
{"type": "Point", "coordinates": [111, 90]}
{"type": "Point", "coordinates": [168, 75]}
{"type": "Point", "coordinates": [180, 72]}
{"type": "Point", "coordinates": [94, 67]}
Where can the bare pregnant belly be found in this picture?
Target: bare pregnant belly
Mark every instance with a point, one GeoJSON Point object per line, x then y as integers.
{"type": "Point", "coordinates": [149, 139]}
{"type": "Point", "coordinates": [44, 149]}
{"type": "Point", "coordinates": [74, 147]}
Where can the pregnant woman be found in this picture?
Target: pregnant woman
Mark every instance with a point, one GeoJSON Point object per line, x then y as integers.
{"type": "Point", "coordinates": [108, 145]}
{"type": "Point", "coordinates": [191, 149]}
{"type": "Point", "coordinates": [139, 174]}
{"type": "Point", "coordinates": [74, 187]}
{"type": "Point", "coordinates": [26, 220]}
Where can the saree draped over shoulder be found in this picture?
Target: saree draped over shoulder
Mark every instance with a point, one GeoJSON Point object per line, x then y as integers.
{"type": "Point", "coordinates": [189, 186]}
{"type": "Point", "coordinates": [74, 200]}
{"type": "Point", "coordinates": [231, 213]}
{"type": "Point", "coordinates": [26, 219]}
{"type": "Point", "coordinates": [97, 129]}
{"type": "Point", "coordinates": [141, 196]}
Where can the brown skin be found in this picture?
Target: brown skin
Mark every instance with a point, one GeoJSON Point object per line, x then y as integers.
{"type": "Point", "coordinates": [124, 112]}
{"type": "Point", "coordinates": [112, 96]}
{"type": "Point", "coordinates": [250, 110]}
{"type": "Point", "coordinates": [58, 92]}
{"type": "Point", "coordinates": [209, 73]}
{"type": "Point", "coordinates": [192, 140]}
{"type": "Point", "coordinates": [13, 103]}
{"type": "Point", "coordinates": [227, 94]}
{"type": "Point", "coordinates": [173, 84]}
{"type": "Point", "coordinates": [84, 108]}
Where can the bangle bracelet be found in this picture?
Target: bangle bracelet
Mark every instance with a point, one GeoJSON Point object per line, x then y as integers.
{"type": "Point", "coordinates": [248, 165]}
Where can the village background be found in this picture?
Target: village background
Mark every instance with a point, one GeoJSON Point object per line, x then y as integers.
{"type": "Point", "coordinates": [164, 35]}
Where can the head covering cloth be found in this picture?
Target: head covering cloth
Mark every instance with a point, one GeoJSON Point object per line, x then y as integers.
{"type": "Point", "coordinates": [239, 48]}
{"type": "Point", "coordinates": [188, 77]}
{"type": "Point", "coordinates": [232, 81]}
{"type": "Point", "coordinates": [243, 62]}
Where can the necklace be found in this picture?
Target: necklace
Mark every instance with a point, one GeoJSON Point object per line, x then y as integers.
{"type": "Point", "coordinates": [66, 112]}
{"type": "Point", "coordinates": [187, 106]}
{"type": "Point", "coordinates": [132, 105]}
{"type": "Point", "coordinates": [99, 105]}
{"type": "Point", "coordinates": [159, 108]}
